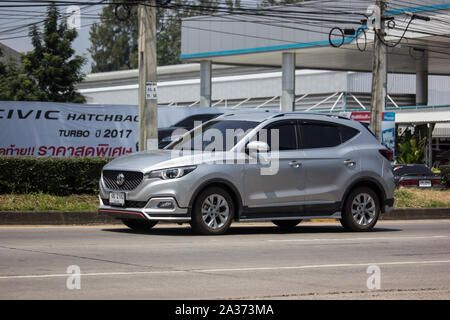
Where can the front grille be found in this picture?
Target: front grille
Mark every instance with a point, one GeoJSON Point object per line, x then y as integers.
{"type": "Point", "coordinates": [132, 179]}
{"type": "Point", "coordinates": [129, 204]}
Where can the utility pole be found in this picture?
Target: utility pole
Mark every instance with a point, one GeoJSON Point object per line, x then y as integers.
{"type": "Point", "coordinates": [379, 71]}
{"type": "Point", "coordinates": [148, 103]}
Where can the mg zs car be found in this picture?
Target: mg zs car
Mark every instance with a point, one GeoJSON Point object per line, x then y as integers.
{"type": "Point", "coordinates": [280, 167]}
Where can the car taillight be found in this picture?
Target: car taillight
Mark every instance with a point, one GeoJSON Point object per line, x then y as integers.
{"type": "Point", "coordinates": [387, 154]}
{"type": "Point", "coordinates": [408, 183]}
{"type": "Point", "coordinates": [436, 182]}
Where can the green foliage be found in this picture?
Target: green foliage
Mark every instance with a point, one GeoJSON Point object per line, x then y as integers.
{"type": "Point", "coordinates": [49, 72]}
{"type": "Point", "coordinates": [57, 176]}
{"type": "Point", "coordinates": [16, 86]}
{"type": "Point", "coordinates": [412, 151]}
{"type": "Point", "coordinates": [51, 65]}
{"type": "Point", "coordinates": [445, 175]}
{"type": "Point", "coordinates": [412, 147]}
{"type": "Point", "coordinates": [47, 202]}
{"type": "Point", "coordinates": [114, 43]}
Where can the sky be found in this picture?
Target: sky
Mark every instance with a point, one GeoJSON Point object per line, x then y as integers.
{"type": "Point", "coordinates": [14, 26]}
{"type": "Point", "coordinates": [15, 21]}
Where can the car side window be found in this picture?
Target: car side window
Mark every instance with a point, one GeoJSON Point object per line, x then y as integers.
{"type": "Point", "coordinates": [347, 133]}
{"type": "Point", "coordinates": [285, 132]}
{"type": "Point", "coordinates": [319, 135]}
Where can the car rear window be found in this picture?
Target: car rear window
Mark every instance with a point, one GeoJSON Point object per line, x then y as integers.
{"type": "Point", "coordinates": [410, 169]}
{"type": "Point", "coordinates": [347, 133]}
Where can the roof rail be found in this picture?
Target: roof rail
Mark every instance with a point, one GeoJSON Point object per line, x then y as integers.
{"type": "Point", "coordinates": [331, 115]}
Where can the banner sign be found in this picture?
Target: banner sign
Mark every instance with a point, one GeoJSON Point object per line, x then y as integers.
{"type": "Point", "coordinates": [67, 130]}
{"type": "Point", "coordinates": [43, 129]}
{"type": "Point", "coordinates": [387, 125]}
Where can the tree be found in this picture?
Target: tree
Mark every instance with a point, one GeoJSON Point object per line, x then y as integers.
{"type": "Point", "coordinates": [15, 85]}
{"type": "Point", "coordinates": [51, 66]}
{"type": "Point", "coordinates": [114, 43]}
{"type": "Point", "coordinates": [411, 146]}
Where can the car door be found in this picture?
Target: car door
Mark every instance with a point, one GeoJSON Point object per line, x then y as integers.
{"type": "Point", "coordinates": [328, 164]}
{"type": "Point", "coordinates": [284, 188]}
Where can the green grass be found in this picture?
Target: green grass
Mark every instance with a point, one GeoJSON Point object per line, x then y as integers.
{"type": "Point", "coordinates": [420, 198]}
{"type": "Point", "coordinates": [46, 202]}
{"type": "Point", "coordinates": [404, 198]}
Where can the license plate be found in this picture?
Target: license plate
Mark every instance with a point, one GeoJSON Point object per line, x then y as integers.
{"type": "Point", "coordinates": [117, 199]}
{"type": "Point", "coordinates": [425, 183]}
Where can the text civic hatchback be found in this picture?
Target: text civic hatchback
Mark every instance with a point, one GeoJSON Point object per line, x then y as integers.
{"type": "Point", "coordinates": [279, 167]}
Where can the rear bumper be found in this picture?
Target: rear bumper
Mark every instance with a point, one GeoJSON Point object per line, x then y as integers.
{"type": "Point", "coordinates": [388, 205]}
{"type": "Point", "coordinates": [175, 214]}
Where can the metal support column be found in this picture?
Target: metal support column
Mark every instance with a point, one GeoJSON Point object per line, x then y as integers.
{"type": "Point", "coordinates": [429, 155]}
{"type": "Point", "coordinates": [422, 81]}
{"type": "Point", "coordinates": [287, 102]}
{"type": "Point", "coordinates": [205, 83]}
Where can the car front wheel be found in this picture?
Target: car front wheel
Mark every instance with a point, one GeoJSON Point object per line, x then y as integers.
{"type": "Point", "coordinates": [213, 212]}
{"type": "Point", "coordinates": [361, 210]}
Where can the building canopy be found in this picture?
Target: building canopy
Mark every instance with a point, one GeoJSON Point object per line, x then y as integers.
{"type": "Point", "coordinates": [256, 38]}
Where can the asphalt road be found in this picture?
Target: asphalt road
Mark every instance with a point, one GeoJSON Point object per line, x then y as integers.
{"type": "Point", "coordinates": [315, 261]}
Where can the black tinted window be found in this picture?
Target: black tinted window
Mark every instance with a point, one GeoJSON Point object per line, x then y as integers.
{"type": "Point", "coordinates": [188, 122]}
{"type": "Point", "coordinates": [347, 133]}
{"type": "Point", "coordinates": [367, 126]}
{"type": "Point", "coordinates": [412, 169]}
{"type": "Point", "coordinates": [318, 135]}
{"type": "Point", "coordinates": [285, 133]}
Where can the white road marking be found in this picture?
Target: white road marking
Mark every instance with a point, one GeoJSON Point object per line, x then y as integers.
{"type": "Point", "coordinates": [318, 266]}
{"type": "Point", "coordinates": [357, 239]}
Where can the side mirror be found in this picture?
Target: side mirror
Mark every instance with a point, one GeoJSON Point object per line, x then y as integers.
{"type": "Point", "coordinates": [255, 147]}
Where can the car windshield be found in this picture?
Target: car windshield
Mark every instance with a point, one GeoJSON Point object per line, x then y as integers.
{"type": "Point", "coordinates": [417, 169]}
{"type": "Point", "coordinates": [216, 135]}
{"type": "Point", "coordinates": [189, 122]}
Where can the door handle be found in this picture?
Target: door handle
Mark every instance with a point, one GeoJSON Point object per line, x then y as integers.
{"type": "Point", "coordinates": [350, 163]}
{"type": "Point", "coordinates": [295, 164]}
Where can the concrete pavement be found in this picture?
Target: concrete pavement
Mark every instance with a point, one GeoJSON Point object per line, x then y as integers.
{"type": "Point", "coordinates": [252, 261]}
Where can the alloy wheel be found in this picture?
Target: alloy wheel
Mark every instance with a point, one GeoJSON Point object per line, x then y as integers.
{"type": "Point", "coordinates": [215, 211]}
{"type": "Point", "coordinates": [363, 209]}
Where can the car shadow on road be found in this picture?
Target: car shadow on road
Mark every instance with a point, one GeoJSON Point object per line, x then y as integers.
{"type": "Point", "coordinates": [249, 230]}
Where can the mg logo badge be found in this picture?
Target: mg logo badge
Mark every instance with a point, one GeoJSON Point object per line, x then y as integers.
{"type": "Point", "coordinates": [120, 179]}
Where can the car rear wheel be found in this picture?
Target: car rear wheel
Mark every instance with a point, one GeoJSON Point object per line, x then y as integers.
{"type": "Point", "coordinates": [361, 210]}
{"type": "Point", "coordinates": [286, 224]}
{"type": "Point", "coordinates": [139, 225]}
{"type": "Point", "coordinates": [213, 212]}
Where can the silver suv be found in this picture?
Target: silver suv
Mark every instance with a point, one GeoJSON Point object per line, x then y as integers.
{"type": "Point", "coordinates": [280, 167]}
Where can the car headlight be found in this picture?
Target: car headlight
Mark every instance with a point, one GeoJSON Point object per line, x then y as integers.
{"type": "Point", "coordinates": [170, 173]}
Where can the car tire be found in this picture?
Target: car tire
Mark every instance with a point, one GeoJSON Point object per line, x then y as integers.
{"type": "Point", "coordinates": [213, 212]}
{"type": "Point", "coordinates": [287, 224]}
{"type": "Point", "coordinates": [361, 210]}
{"type": "Point", "coordinates": [139, 225]}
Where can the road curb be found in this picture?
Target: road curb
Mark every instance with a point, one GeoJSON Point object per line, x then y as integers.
{"type": "Point", "coordinates": [416, 214]}
{"type": "Point", "coordinates": [54, 218]}
{"type": "Point", "coordinates": [92, 217]}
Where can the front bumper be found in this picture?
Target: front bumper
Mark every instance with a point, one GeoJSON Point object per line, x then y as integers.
{"type": "Point", "coordinates": [149, 212]}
